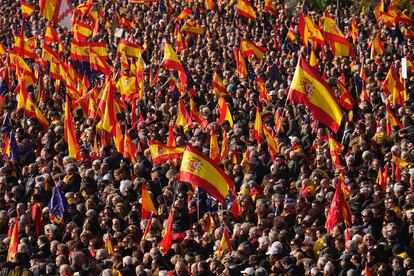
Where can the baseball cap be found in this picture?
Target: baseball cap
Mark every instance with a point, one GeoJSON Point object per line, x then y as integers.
{"type": "Point", "coordinates": [248, 270]}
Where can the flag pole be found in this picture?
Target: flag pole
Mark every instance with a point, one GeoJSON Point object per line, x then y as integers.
{"type": "Point", "coordinates": [198, 203]}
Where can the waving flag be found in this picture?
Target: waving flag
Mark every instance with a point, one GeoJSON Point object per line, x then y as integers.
{"type": "Point", "coordinates": [311, 90]}
{"type": "Point", "coordinates": [336, 150]}
{"type": "Point", "coordinates": [382, 178]}
{"type": "Point", "coordinates": [224, 112]}
{"type": "Point", "coordinates": [261, 87]}
{"type": "Point", "coordinates": [393, 86]}
{"type": "Point", "coordinates": [376, 46]}
{"type": "Point", "coordinates": [345, 98]}
{"type": "Point", "coordinates": [271, 142]}
{"type": "Point", "coordinates": [190, 27]}
{"type": "Point", "coordinates": [33, 111]}
{"type": "Point", "coordinates": [309, 31]}
{"type": "Point", "coordinates": [107, 106]}
{"type": "Point", "coordinates": [209, 4]}
{"type": "Point", "coordinates": [340, 46]}
{"type": "Point", "coordinates": [57, 206]}
{"type": "Point", "coordinates": [130, 49]}
{"type": "Point", "coordinates": [59, 11]}
{"type": "Point", "coordinates": [99, 64]}
{"type": "Point", "coordinates": [241, 68]}
{"type": "Point", "coordinates": [183, 15]}
{"type": "Point", "coordinates": [70, 136]}
{"type": "Point", "coordinates": [27, 9]}
{"type": "Point", "coordinates": [354, 29]}
{"type": "Point", "coordinates": [218, 86]}
{"type": "Point", "coordinates": [183, 118]}
{"type": "Point", "coordinates": [161, 153]}
{"type": "Point", "coordinates": [251, 49]}
{"type": "Point", "coordinates": [129, 148]}
{"type": "Point", "coordinates": [270, 6]}
{"type": "Point", "coordinates": [147, 205]}
{"type": "Point", "coordinates": [245, 9]}
{"type": "Point", "coordinates": [200, 170]}
{"type": "Point", "coordinates": [258, 127]}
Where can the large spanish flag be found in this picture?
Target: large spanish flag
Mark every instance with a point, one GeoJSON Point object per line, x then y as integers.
{"type": "Point", "coordinates": [310, 89]}
{"type": "Point", "coordinates": [340, 46]}
{"type": "Point", "coordinates": [198, 169]}
{"type": "Point", "coordinates": [161, 153]}
{"type": "Point", "coordinates": [245, 9]}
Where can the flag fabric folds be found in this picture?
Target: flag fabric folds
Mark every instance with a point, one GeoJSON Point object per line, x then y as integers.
{"type": "Point", "coordinates": [309, 31]}
{"type": "Point", "coordinates": [70, 135]}
{"type": "Point", "coordinates": [27, 9]}
{"type": "Point", "coordinates": [225, 242]}
{"type": "Point", "coordinates": [57, 206]}
{"type": "Point", "coordinates": [224, 112]}
{"type": "Point", "coordinates": [251, 49]}
{"type": "Point", "coordinates": [166, 242]}
{"type": "Point", "coordinates": [245, 9]}
{"type": "Point", "coordinates": [214, 148]}
{"type": "Point", "coordinates": [376, 46]}
{"type": "Point", "coordinates": [336, 149]}
{"type": "Point", "coordinates": [310, 89]}
{"type": "Point", "coordinates": [200, 170]}
{"type": "Point", "coordinates": [345, 97]}
{"type": "Point", "coordinates": [11, 149]}
{"type": "Point", "coordinates": [339, 211]}
{"type": "Point", "coordinates": [14, 240]}
{"type": "Point", "coordinates": [241, 67]}
{"type": "Point", "coordinates": [340, 46]}
{"type": "Point", "coordinates": [161, 153]}
{"type": "Point", "coordinates": [147, 205]}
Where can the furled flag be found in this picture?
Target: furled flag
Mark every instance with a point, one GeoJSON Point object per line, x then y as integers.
{"type": "Point", "coordinates": [129, 148]}
{"type": "Point", "coordinates": [147, 229]}
{"type": "Point", "coordinates": [14, 240]}
{"type": "Point", "coordinates": [340, 46]}
{"type": "Point", "coordinates": [198, 169]}
{"type": "Point", "coordinates": [376, 46]}
{"type": "Point", "coordinates": [392, 120]}
{"type": "Point", "coordinates": [161, 153]}
{"type": "Point", "coordinates": [272, 145]}
{"type": "Point", "coordinates": [382, 177]}
{"type": "Point", "coordinates": [245, 9]}
{"type": "Point", "coordinates": [261, 87]}
{"type": "Point", "coordinates": [166, 242]}
{"type": "Point", "coordinates": [224, 112]}
{"type": "Point", "coordinates": [11, 149]}
{"type": "Point", "coordinates": [147, 205]}
{"type": "Point", "coordinates": [338, 212]}
{"type": "Point", "coordinates": [336, 149]}
{"type": "Point", "coordinates": [59, 11]}
{"type": "Point", "coordinates": [225, 243]}
{"type": "Point", "coordinates": [70, 135]}
{"type": "Point", "coordinates": [258, 127]}
{"type": "Point", "coordinates": [214, 147]}
{"type": "Point", "coordinates": [184, 14]}
{"type": "Point", "coordinates": [57, 206]}
{"type": "Point", "coordinates": [183, 118]}
{"type": "Point", "coordinates": [241, 67]}
{"type": "Point", "coordinates": [311, 90]}
{"type": "Point", "coordinates": [225, 146]}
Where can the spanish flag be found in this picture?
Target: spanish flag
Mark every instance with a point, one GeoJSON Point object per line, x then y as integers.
{"type": "Point", "coordinates": [130, 49]}
{"type": "Point", "coordinates": [309, 31]}
{"type": "Point", "coordinates": [354, 29]}
{"type": "Point", "coordinates": [379, 9]}
{"type": "Point", "coordinates": [161, 153]}
{"type": "Point", "coordinates": [11, 149]}
{"type": "Point", "coordinates": [392, 120]}
{"type": "Point", "coordinates": [225, 146]}
{"type": "Point", "coordinates": [70, 136]}
{"type": "Point", "coordinates": [107, 106]}
{"type": "Point", "coordinates": [224, 112]}
{"type": "Point", "coordinates": [98, 63]}
{"type": "Point", "coordinates": [26, 9]}
{"type": "Point", "coordinates": [129, 148]}
{"type": "Point", "coordinates": [60, 11]}
{"type": "Point", "coordinates": [340, 46]}
{"type": "Point", "coordinates": [209, 4]}
{"type": "Point", "coordinates": [311, 90]}
{"type": "Point", "coordinates": [382, 177]}
{"type": "Point", "coordinates": [108, 244]}
{"type": "Point", "coordinates": [14, 240]}
{"type": "Point", "coordinates": [200, 170]}
{"type": "Point", "coordinates": [272, 145]}
{"type": "Point", "coordinates": [278, 121]}
{"type": "Point", "coordinates": [261, 87]}
{"type": "Point", "coordinates": [392, 85]}
{"type": "Point", "coordinates": [376, 46]}
{"type": "Point", "coordinates": [241, 68]}
{"type": "Point", "coordinates": [183, 118]}
{"type": "Point", "coordinates": [190, 27]}
{"type": "Point", "coordinates": [251, 49]}
{"type": "Point", "coordinates": [225, 243]}
{"type": "Point", "coordinates": [183, 15]}
{"type": "Point", "coordinates": [345, 97]}
{"type": "Point", "coordinates": [32, 110]}
{"type": "Point", "coordinates": [147, 205]}
{"type": "Point", "coordinates": [166, 242]}
{"type": "Point", "coordinates": [170, 60]}
{"type": "Point", "coordinates": [195, 115]}
{"type": "Point", "coordinates": [270, 6]}
{"type": "Point", "coordinates": [336, 149]}
{"type": "Point", "coordinates": [258, 127]}
{"type": "Point", "coordinates": [214, 147]}
{"type": "Point", "coordinates": [24, 70]}
{"type": "Point", "coordinates": [3, 49]}
{"type": "Point", "coordinates": [180, 42]}
{"type": "Point", "coordinates": [339, 211]}
{"type": "Point", "coordinates": [218, 86]}
{"type": "Point", "coordinates": [245, 9]}
{"type": "Point", "coordinates": [82, 31]}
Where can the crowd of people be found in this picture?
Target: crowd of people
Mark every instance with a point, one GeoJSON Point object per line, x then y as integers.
{"type": "Point", "coordinates": [284, 198]}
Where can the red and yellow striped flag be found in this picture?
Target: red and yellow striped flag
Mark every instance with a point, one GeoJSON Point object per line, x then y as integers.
{"type": "Point", "coordinates": [376, 46]}
{"type": "Point", "coordinates": [161, 153]}
{"type": "Point", "coordinates": [336, 149]}
{"type": "Point", "coordinates": [27, 9]}
{"type": "Point", "coordinates": [224, 112]}
{"type": "Point", "coordinates": [310, 89]}
{"type": "Point", "coordinates": [225, 243]}
{"type": "Point", "coordinates": [14, 240]}
{"type": "Point", "coordinates": [309, 31]}
{"type": "Point", "coordinates": [340, 46]}
{"type": "Point", "coordinates": [241, 68]}
{"type": "Point", "coordinates": [166, 242]}
{"type": "Point", "coordinates": [183, 118]}
{"type": "Point", "coordinates": [198, 169]}
{"type": "Point", "coordinates": [147, 205]}
{"type": "Point", "coordinates": [214, 147]}
{"type": "Point", "coordinates": [218, 86]}
{"type": "Point", "coordinates": [251, 49]}
{"type": "Point", "coordinates": [245, 9]}
{"type": "Point", "coordinates": [393, 86]}
{"type": "Point", "coordinates": [70, 136]}
{"type": "Point", "coordinates": [271, 142]}
{"type": "Point", "coordinates": [258, 127]}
